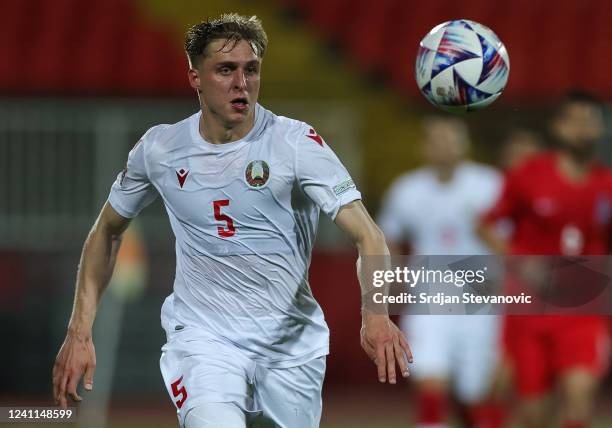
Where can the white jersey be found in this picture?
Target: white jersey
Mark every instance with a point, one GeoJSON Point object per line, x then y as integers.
{"type": "Point", "coordinates": [244, 215]}
{"type": "Point", "coordinates": [440, 218]}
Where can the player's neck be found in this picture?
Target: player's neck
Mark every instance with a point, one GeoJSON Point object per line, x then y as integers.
{"type": "Point", "coordinates": [213, 130]}
{"type": "Point", "coordinates": [572, 167]}
{"type": "Point", "coordinates": [445, 173]}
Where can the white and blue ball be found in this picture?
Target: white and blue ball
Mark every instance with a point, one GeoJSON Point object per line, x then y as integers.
{"type": "Point", "coordinates": [461, 66]}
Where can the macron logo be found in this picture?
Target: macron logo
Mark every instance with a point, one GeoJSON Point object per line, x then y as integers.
{"type": "Point", "coordinates": [182, 174]}
{"type": "Point", "coordinates": [312, 134]}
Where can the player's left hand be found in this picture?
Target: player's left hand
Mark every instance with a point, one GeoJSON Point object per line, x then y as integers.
{"type": "Point", "coordinates": [75, 360]}
{"type": "Point", "coordinates": [386, 345]}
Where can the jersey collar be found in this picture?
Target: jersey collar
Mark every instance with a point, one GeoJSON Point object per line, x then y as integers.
{"type": "Point", "coordinates": [251, 135]}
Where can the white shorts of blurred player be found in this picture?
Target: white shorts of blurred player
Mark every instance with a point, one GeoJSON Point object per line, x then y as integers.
{"type": "Point", "coordinates": [202, 371]}
{"type": "Point", "coordinates": [463, 349]}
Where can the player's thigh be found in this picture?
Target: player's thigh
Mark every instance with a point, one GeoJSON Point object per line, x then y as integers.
{"type": "Point", "coordinates": [216, 415]}
{"type": "Point", "coordinates": [582, 345]}
{"type": "Point", "coordinates": [197, 372]}
{"type": "Point", "coordinates": [529, 355]}
{"type": "Point", "coordinates": [290, 398]}
{"type": "Point", "coordinates": [587, 342]}
{"type": "Point", "coordinates": [429, 337]}
{"type": "Point", "coordinates": [476, 344]}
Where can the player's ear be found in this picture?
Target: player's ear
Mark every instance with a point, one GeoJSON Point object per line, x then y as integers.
{"type": "Point", "coordinates": [194, 79]}
{"type": "Point", "coordinates": [555, 127]}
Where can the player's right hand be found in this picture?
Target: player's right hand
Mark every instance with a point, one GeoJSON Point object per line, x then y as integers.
{"type": "Point", "coordinates": [76, 358]}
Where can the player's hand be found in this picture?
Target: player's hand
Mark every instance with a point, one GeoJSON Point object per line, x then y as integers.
{"type": "Point", "coordinates": [76, 359]}
{"type": "Point", "coordinates": [386, 346]}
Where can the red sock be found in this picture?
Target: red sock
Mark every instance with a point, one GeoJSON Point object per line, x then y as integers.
{"type": "Point", "coordinates": [574, 425]}
{"type": "Point", "coordinates": [488, 415]}
{"type": "Point", "coordinates": [432, 407]}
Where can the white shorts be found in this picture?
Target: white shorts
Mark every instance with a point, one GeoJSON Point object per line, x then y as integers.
{"type": "Point", "coordinates": [204, 369]}
{"type": "Point", "coordinates": [463, 349]}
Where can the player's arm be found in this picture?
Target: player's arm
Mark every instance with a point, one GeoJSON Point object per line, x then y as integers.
{"type": "Point", "coordinates": [130, 193]}
{"type": "Point", "coordinates": [77, 356]}
{"type": "Point", "coordinates": [384, 343]}
{"type": "Point", "coordinates": [490, 235]}
{"type": "Point", "coordinates": [394, 247]}
{"type": "Point", "coordinates": [509, 206]}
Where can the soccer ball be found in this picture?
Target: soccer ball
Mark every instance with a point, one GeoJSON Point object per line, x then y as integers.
{"type": "Point", "coordinates": [461, 66]}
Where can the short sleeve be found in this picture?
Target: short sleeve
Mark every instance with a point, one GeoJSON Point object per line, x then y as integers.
{"type": "Point", "coordinates": [321, 175]}
{"type": "Point", "coordinates": [132, 191]}
{"type": "Point", "coordinates": [391, 216]}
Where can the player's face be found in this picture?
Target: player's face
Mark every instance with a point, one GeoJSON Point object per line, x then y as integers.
{"type": "Point", "coordinates": [579, 126]}
{"type": "Point", "coordinates": [520, 146]}
{"type": "Point", "coordinates": [227, 80]}
{"type": "Point", "coordinates": [443, 145]}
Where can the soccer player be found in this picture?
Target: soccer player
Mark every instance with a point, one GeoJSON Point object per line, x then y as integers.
{"type": "Point", "coordinates": [243, 189]}
{"type": "Point", "coordinates": [436, 210]}
{"type": "Point", "coordinates": [560, 203]}
{"type": "Point", "coordinates": [518, 144]}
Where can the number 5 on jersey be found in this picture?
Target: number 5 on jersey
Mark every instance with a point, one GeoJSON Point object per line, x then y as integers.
{"type": "Point", "coordinates": [229, 230]}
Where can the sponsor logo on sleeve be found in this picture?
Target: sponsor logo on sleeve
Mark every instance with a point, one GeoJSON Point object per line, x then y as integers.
{"type": "Point", "coordinates": [257, 173]}
{"type": "Point", "coordinates": [343, 187]}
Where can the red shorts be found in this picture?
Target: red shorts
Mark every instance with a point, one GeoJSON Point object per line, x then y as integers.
{"type": "Point", "coordinates": [542, 348]}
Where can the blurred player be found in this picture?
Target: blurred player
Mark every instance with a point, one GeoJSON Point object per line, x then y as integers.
{"type": "Point", "coordinates": [243, 188]}
{"type": "Point", "coordinates": [519, 144]}
{"type": "Point", "coordinates": [436, 210]}
{"type": "Point", "coordinates": [560, 203]}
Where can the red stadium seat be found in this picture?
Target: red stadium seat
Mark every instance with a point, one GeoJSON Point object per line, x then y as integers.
{"type": "Point", "coordinates": [364, 35]}
{"type": "Point", "coordinates": [109, 47]}
{"type": "Point", "coordinates": [15, 37]}
{"type": "Point", "coordinates": [327, 16]}
{"type": "Point", "coordinates": [552, 47]}
{"type": "Point", "coordinates": [104, 36]}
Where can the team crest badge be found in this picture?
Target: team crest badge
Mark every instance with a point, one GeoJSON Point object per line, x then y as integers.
{"type": "Point", "coordinates": [257, 173]}
{"type": "Point", "coordinates": [182, 174]}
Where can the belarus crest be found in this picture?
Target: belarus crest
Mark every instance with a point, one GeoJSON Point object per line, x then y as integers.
{"type": "Point", "coordinates": [257, 173]}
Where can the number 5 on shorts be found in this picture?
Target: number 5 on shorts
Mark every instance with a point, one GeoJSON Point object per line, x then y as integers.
{"type": "Point", "coordinates": [179, 392]}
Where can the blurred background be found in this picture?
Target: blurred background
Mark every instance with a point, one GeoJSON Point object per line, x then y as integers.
{"type": "Point", "coordinates": [80, 82]}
